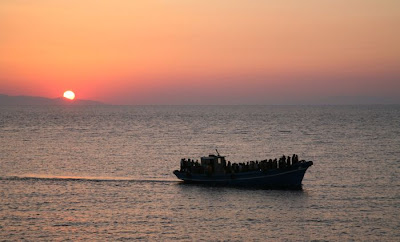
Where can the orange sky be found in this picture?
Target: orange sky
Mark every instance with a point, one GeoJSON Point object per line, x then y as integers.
{"type": "Point", "coordinates": [189, 52]}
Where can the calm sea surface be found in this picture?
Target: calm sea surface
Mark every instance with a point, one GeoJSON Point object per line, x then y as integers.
{"type": "Point", "coordinates": [105, 173]}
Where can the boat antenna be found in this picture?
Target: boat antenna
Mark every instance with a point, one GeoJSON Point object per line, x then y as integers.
{"type": "Point", "coordinates": [217, 152]}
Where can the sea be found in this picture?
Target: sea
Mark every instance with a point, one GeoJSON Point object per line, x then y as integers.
{"type": "Point", "coordinates": [104, 173]}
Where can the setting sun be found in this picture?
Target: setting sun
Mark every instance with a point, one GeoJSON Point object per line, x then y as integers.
{"type": "Point", "coordinates": [69, 95]}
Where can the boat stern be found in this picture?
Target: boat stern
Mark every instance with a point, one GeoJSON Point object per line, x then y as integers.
{"type": "Point", "coordinates": [180, 175]}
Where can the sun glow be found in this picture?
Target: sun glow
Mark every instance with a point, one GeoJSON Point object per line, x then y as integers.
{"type": "Point", "coordinates": [69, 95]}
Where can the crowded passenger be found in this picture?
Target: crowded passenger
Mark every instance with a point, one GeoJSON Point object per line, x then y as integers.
{"type": "Point", "coordinates": [213, 166]}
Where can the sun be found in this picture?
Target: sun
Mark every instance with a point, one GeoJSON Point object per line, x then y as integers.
{"type": "Point", "coordinates": [69, 95]}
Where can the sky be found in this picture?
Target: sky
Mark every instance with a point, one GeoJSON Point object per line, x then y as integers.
{"type": "Point", "coordinates": [200, 52]}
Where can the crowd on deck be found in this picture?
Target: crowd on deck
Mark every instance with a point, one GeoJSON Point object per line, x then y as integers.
{"type": "Point", "coordinates": [284, 162]}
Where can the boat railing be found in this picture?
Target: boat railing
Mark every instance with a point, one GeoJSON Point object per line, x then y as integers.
{"type": "Point", "coordinates": [218, 165]}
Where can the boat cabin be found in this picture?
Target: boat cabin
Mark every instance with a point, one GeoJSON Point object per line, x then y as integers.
{"type": "Point", "coordinates": [213, 163]}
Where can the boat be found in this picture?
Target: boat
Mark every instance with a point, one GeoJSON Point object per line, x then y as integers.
{"type": "Point", "coordinates": [214, 170]}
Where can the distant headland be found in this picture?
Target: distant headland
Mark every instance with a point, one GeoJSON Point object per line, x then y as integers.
{"type": "Point", "coordinates": [30, 100]}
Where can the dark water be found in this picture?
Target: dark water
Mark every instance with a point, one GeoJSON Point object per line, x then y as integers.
{"type": "Point", "coordinates": [105, 173]}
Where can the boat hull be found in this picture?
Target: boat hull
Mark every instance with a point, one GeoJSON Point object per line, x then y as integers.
{"type": "Point", "coordinates": [277, 178]}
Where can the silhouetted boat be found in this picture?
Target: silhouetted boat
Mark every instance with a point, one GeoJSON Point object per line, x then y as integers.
{"type": "Point", "coordinates": [213, 170]}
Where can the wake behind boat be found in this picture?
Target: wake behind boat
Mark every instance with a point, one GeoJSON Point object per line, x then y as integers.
{"type": "Point", "coordinates": [287, 172]}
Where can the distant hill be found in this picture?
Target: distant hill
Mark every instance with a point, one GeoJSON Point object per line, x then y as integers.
{"type": "Point", "coordinates": [28, 100]}
{"type": "Point", "coordinates": [357, 100]}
